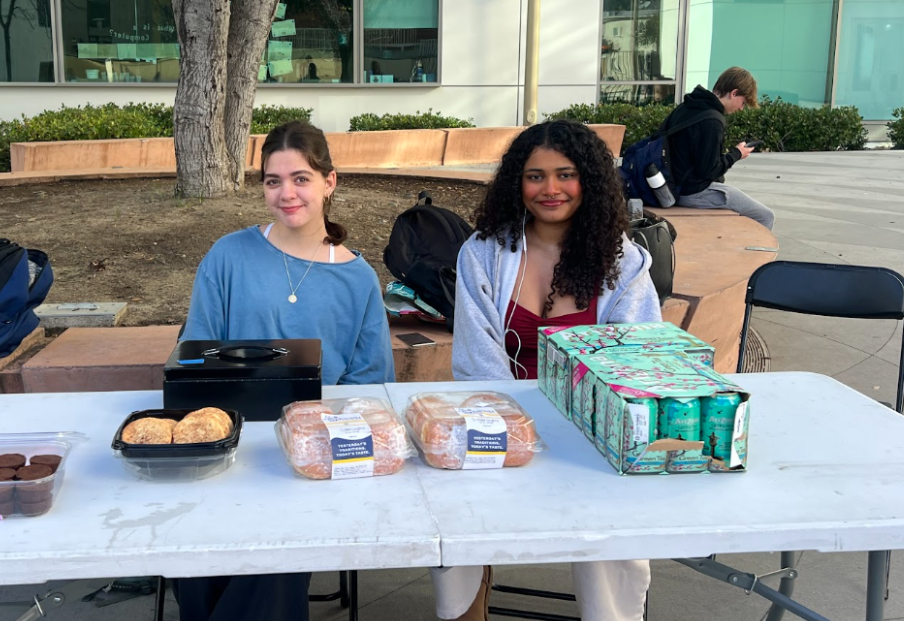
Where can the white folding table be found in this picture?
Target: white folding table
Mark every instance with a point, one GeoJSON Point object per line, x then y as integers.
{"type": "Point", "coordinates": [826, 473]}
{"type": "Point", "coordinates": [257, 517]}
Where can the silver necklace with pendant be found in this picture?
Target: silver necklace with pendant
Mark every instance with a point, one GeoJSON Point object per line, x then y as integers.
{"type": "Point", "coordinates": [292, 298]}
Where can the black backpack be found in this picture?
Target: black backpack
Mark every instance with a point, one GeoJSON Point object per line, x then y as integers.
{"type": "Point", "coordinates": [423, 250]}
{"type": "Point", "coordinates": [18, 295]}
{"type": "Point", "coordinates": [655, 150]}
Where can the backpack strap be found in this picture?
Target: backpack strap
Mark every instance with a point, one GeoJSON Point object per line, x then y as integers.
{"type": "Point", "coordinates": [706, 115]}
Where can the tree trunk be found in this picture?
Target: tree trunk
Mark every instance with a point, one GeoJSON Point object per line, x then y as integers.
{"type": "Point", "coordinates": [248, 28]}
{"type": "Point", "coordinates": [198, 114]}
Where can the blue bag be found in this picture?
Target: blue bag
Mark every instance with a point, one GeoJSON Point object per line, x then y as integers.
{"type": "Point", "coordinates": [19, 294]}
{"type": "Point", "coordinates": [655, 150]}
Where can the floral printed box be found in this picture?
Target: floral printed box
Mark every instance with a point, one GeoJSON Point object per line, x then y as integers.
{"type": "Point", "coordinates": [557, 347]}
{"type": "Point", "coordinates": [622, 429]}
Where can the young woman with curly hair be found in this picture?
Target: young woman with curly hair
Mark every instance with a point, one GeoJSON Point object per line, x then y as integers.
{"type": "Point", "coordinates": [549, 250]}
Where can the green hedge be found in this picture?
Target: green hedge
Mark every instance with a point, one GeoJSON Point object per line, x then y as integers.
{"type": "Point", "coordinates": [265, 118]}
{"type": "Point", "coordinates": [370, 122]}
{"type": "Point", "coordinates": [639, 121]}
{"type": "Point", "coordinates": [896, 129]}
{"type": "Point", "coordinates": [781, 126]}
{"type": "Point", "coordinates": [111, 121]}
{"type": "Point", "coordinates": [786, 127]}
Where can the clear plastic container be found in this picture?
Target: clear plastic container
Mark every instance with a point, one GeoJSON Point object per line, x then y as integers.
{"type": "Point", "coordinates": [346, 448]}
{"type": "Point", "coordinates": [177, 462]}
{"type": "Point", "coordinates": [441, 433]}
{"type": "Point", "coordinates": [31, 494]}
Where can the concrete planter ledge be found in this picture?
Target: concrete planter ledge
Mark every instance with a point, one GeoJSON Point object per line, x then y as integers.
{"type": "Point", "coordinates": [383, 149]}
{"type": "Point", "coordinates": [710, 284]}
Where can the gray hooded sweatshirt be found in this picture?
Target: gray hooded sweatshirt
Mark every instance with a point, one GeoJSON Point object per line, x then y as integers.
{"type": "Point", "coordinates": [487, 275]}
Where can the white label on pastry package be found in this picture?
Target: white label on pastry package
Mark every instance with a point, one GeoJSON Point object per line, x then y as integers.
{"type": "Point", "coordinates": [352, 445]}
{"type": "Point", "coordinates": [740, 426]}
{"type": "Point", "coordinates": [487, 438]}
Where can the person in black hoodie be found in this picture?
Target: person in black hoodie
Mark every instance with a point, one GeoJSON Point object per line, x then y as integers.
{"type": "Point", "coordinates": [698, 163]}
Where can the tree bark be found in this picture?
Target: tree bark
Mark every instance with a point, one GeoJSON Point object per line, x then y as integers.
{"type": "Point", "coordinates": [199, 111]}
{"type": "Point", "coordinates": [248, 28]}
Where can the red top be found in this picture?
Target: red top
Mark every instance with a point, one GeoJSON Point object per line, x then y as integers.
{"type": "Point", "coordinates": [523, 325]}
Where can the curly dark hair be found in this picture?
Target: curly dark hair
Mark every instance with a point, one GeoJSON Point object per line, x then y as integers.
{"type": "Point", "coordinates": [592, 247]}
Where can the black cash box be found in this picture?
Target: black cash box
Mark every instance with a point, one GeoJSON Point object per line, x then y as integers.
{"type": "Point", "coordinates": [257, 378]}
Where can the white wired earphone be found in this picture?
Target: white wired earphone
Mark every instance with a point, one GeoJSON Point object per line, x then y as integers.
{"type": "Point", "coordinates": [514, 360]}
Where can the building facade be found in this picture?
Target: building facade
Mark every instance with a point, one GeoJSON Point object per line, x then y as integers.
{"type": "Point", "coordinates": [466, 57]}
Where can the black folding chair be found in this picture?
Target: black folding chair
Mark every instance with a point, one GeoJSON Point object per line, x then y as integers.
{"type": "Point", "coordinates": [827, 290]}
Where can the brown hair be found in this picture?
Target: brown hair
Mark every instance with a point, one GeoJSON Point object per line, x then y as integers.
{"type": "Point", "coordinates": [740, 79]}
{"type": "Point", "coordinates": [309, 141]}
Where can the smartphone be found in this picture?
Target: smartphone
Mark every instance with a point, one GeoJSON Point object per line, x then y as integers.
{"type": "Point", "coordinates": [415, 339]}
{"type": "Point", "coordinates": [753, 143]}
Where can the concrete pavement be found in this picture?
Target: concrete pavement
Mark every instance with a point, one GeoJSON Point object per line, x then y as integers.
{"type": "Point", "coordinates": [830, 207]}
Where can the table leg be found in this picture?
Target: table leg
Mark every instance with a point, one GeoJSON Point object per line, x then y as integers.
{"type": "Point", "coordinates": [875, 585]}
{"type": "Point", "coordinates": [786, 588]}
{"type": "Point", "coordinates": [751, 582]}
{"type": "Point", "coordinates": [160, 601]}
{"type": "Point", "coordinates": [353, 596]}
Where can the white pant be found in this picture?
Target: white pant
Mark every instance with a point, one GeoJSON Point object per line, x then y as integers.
{"type": "Point", "coordinates": [605, 590]}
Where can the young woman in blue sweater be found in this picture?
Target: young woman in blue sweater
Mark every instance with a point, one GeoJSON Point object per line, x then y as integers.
{"type": "Point", "coordinates": [288, 279]}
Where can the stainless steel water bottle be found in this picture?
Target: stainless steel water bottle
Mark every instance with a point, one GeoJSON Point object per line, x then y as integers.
{"type": "Point", "coordinates": [660, 188]}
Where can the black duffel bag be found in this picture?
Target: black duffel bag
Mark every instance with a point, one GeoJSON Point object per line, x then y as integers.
{"type": "Point", "coordinates": [657, 236]}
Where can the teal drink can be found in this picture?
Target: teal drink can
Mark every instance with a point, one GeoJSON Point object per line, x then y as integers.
{"type": "Point", "coordinates": [718, 413]}
{"type": "Point", "coordinates": [651, 406]}
{"type": "Point", "coordinates": [679, 419]}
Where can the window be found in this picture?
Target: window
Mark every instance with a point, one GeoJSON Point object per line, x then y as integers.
{"type": "Point", "coordinates": [870, 52]}
{"type": "Point", "coordinates": [115, 41]}
{"type": "Point", "coordinates": [400, 41]}
{"type": "Point", "coordinates": [639, 45]}
{"type": "Point", "coordinates": [26, 54]}
{"type": "Point", "coordinates": [638, 94]}
{"type": "Point", "coordinates": [311, 42]}
{"type": "Point", "coordinates": [788, 54]}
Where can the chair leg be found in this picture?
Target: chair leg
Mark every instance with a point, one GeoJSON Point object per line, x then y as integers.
{"type": "Point", "coordinates": [161, 598]}
{"type": "Point", "coordinates": [786, 588]}
{"type": "Point", "coordinates": [525, 614]}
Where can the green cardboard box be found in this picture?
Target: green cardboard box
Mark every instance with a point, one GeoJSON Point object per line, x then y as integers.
{"type": "Point", "coordinates": [621, 430]}
{"type": "Point", "coordinates": [555, 368]}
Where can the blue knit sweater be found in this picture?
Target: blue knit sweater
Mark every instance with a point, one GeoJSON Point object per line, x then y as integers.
{"type": "Point", "coordinates": [241, 293]}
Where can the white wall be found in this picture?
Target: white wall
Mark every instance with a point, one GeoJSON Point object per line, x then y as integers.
{"type": "Point", "coordinates": [482, 72]}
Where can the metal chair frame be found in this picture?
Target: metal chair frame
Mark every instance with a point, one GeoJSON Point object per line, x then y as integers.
{"type": "Point", "coordinates": [828, 290]}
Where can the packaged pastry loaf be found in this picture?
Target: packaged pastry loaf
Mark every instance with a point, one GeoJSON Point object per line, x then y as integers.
{"type": "Point", "coordinates": [343, 438]}
{"type": "Point", "coordinates": [471, 430]}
